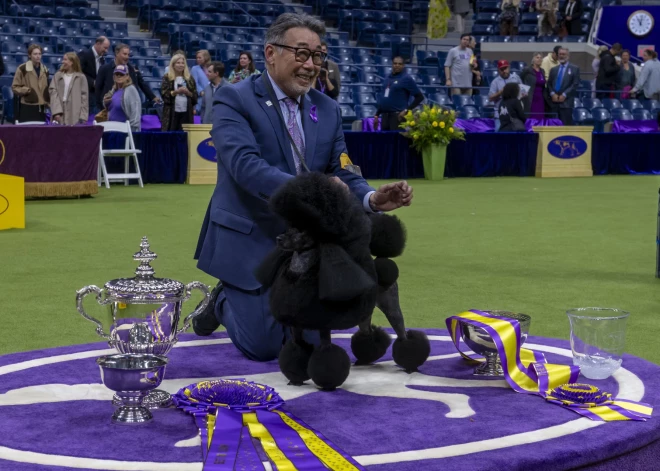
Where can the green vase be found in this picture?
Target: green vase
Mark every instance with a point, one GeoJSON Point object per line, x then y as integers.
{"type": "Point", "coordinates": [434, 157]}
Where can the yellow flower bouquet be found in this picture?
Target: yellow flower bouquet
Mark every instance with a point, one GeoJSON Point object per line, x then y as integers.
{"type": "Point", "coordinates": [431, 125]}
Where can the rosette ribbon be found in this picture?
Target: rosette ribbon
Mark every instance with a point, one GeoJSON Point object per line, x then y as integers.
{"type": "Point", "coordinates": [527, 372]}
{"type": "Point", "coordinates": [242, 424]}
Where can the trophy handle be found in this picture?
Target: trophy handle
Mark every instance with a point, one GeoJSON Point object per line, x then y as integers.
{"type": "Point", "coordinates": [205, 302]}
{"type": "Point", "coordinates": [80, 295]}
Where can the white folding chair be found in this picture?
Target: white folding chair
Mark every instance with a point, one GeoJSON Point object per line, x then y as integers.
{"type": "Point", "coordinates": [127, 152]}
{"type": "Point", "coordinates": [30, 123]}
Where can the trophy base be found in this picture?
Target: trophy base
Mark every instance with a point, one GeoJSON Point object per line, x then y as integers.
{"type": "Point", "coordinates": [492, 368]}
{"type": "Point", "coordinates": [156, 399]}
{"type": "Point", "coordinates": [127, 415]}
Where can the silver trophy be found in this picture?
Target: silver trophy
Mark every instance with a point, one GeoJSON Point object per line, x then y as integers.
{"type": "Point", "coordinates": [132, 376]}
{"type": "Point", "coordinates": [481, 343]}
{"type": "Point", "coordinates": [143, 314]}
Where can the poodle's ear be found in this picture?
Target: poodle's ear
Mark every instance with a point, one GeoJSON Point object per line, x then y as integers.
{"type": "Point", "coordinates": [270, 266]}
{"type": "Point", "coordinates": [340, 278]}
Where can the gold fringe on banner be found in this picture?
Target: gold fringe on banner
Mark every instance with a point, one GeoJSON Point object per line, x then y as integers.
{"type": "Point", "coordinates": [37, 190]}
{"type": "Point", "coordinates": [439, 16]}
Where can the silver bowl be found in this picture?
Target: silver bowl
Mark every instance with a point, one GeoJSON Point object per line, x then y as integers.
{"type": "Point", "coordinates": [481, 343]}
{"type": "Point", "coordinates": [132, 376]}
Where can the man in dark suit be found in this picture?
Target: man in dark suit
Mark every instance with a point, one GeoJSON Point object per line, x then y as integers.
{"type": "Point", "coordinates": [104, 79]}
{"type": "Point", "coordinates": [563, 83]}
{"type": "Point", "coordinates": [91, 61]}
{"type": "Point", "coordinates": [266, 129]}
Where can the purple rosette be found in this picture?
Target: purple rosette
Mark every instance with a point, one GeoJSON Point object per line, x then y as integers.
{"type": "Point", "coordinates": [579, 395]}
{"type": "Point", "coordinates": [235, 394]}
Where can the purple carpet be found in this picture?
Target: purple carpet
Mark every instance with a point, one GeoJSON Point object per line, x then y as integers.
{"type": "Point", "coordinates": [56, 416]}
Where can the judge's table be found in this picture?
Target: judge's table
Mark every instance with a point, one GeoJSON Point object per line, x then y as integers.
{"type": "Point", "coordinates": [202, 160]}
{"type": "Point", "coordinates": [12, 202]}
{"type": "Point", "coordinates": [564, 151]}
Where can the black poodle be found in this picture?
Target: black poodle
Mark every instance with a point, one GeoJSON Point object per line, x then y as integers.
{"type": "Point", "coordinates": [322, 276]}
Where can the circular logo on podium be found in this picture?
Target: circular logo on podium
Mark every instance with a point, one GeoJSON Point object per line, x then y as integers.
{"type": "Point", "coordinates": [567, 147]}
{"type": "Point", "coordinates": [206, 150]}
{"type": "Point", "coordinates": [4, 204]}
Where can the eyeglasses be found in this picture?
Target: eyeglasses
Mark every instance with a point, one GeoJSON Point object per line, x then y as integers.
{"type": "Point", "coordinates": [302, 54]}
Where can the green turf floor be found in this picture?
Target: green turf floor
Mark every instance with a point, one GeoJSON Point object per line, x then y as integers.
{"type": "Point", "coordinates": [523, 244]}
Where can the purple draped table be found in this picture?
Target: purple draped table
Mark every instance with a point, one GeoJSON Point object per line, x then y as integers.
{"type": "Point", "coordinates": [150, 122]}
{"type": "Point", "coordinates": [647, 125]}
{"type": "Point", "coordinates": [441, 418]}
{"type": "Point", "coordinates": [476, 124]}
{"type": "Point", "coordinates": [54, 160]}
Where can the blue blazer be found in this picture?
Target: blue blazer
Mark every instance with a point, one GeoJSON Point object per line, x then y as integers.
{"type": "Point", "coordinates": [254, 160]}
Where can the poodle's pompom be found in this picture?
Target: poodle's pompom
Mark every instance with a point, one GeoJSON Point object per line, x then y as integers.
{"type": "Point", "coordinates": [329, 366]}
{"type": "Point", "coordinates": [412, 352]}
{"type": "Point", "coordinates": [314, 203]}
{"type": "Point", "coordinates": [369, 346]}
{"type": "Point", "coordinates": [388, 236]}
{"type": "Point", "coordinates": [387, 270]}
{"type": "Point", "coordinates": [293, 361]}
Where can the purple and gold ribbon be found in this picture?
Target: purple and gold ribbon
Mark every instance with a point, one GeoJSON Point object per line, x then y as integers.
{"type": "Point", "coordinates": [234, 414]}
{"type": "Point", "coordinates": [528, 372]}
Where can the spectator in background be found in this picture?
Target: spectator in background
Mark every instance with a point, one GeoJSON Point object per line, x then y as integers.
{"type": "Point", "coordinates": [497, 87]}
{"type": "Point", "coordinates": [105, 82]}
{"type": "Point", "coordinates": [534, 78]}
{"type": "Point", "coordinates": [91, 61]}
{"type": "Point", "coordinates": [509, 17]}
{"type": "Point", "coordinates": [215, 72]}
{"type": "Point", "coordinates": [31, 85]}
{"type": "Point", "coordinates": [476, 69]}
{"type": "Point", "coordinates": [178, 52]}
{"type": "Point", "coordinates": [325, 84]}
{"type": "Point", "coordinates": [69, 93]}
{"type": "Point", "coordinates": [550, 61]}
{"type": "Point", "coordinates": [460, 9]}
{"type": "Point", "coordinates": [458, 68]}
{"type": "Point", "coordinates": [395, 101]}
{"type": "Point", "coordinates": [608, 72]}
{"type": "Point", "coordinates": [547, 10]}
{"type": "Point", "coordinates": [627, 77]}
{"type": "Point", "coordinates": [198, 73]}
{"type": "Point", "coordinates": [573, 17]}
{"type": "Point", "coordinates": [595, 64]}
{"type": "Point", "coordinates": [179, 94]}
{"type": "Point", "coordinates": [510, 110]}
{"type": "Point", "coordinates": [244, 68]}
{"type": "Point", "coordinates": [649, 77]}
{"type": "Point", "coordinates": [563, 83]}
{"type": "Point", "coordinates": [123, 100]}
{"type": "Point", "coordinates": [331, 66]}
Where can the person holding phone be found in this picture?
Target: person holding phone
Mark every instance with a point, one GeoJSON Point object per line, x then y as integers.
{"type": "Point", "coordinates": [179, 94]}
{"type": "Point", "coordinates": [325, 84]}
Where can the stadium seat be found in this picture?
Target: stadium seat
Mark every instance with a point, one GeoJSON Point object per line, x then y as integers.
{"type": "Point", "coordinates": [591, 103]}
{"type": "Point", "coordinates": [481, 101]}
{"type": "Point", "coordinates": [577, 103]}
{"type": "Point", "coordinates": [621, 114]}
{"type": "Point", "coordinates": [488, 18]}
{"type": "Point", "coordinates": [483, 30]}
{"type": "Point", "coordinates": [651, 104]}
{"type": "Point", "coordinates": [528, 30]}
{"type": "Point", "coordinates": [611, 103]}
{"type": "Point", "coordinates": [344, 99]}
{"type": "Point", "coordinates": [582, 116]}
{"type": "Point", "coordinates": [462, 100]}
{"type": "Point", "coordinates": [631, 104]}
{"type": "Point", "coordinates": [365, 111]}
{"type": "Point", "coordinates": [366, 99]}
{"type": "Point", "coordinates": [440, 99]}
{"type": "Point", "coordinates": [641, 114]}
{"type": "Point", "coordinates": [347, 113]}
{"type": "Point", "coordinates": [600, 117]}
{"type": "Point", "coordinates": [529, 18]}
{"type": "Point", "coordinates": [468, 112]}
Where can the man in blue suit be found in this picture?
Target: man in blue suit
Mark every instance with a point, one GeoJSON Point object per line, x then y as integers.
{"type": "Point", "coordinates": [266, 129]}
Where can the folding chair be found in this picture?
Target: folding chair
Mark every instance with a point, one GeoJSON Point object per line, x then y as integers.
{"type": "Point", "coordinates": [30, 123]}
{"type": "Point", "coordinates": [127, 152]}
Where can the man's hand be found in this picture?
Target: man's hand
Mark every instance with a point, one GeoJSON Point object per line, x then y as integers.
{"type": "Point", "coordinates": [375, 123]}
{"type": "Point", "coordinates": [562, 99]}
{"type": "Point", "coordinates": [157, 101]}
{"type": "Point", "coordinates": [58, 119]}
{"type": "Point", "coordinates": [448, 82]}
{"type": "Point", "coordinates": [391, 196]}
{"type": "Point", "coordinates": [402, 115]}
{"type": "Point", "coordinates": [554, 99]}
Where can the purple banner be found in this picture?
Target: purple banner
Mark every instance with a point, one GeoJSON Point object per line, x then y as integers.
{"type": "Point", "coordinates": [477, 124]}
{"type": "Point", "coordinates": [647, 125]}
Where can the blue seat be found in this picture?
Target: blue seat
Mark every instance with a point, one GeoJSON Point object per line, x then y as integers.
{"type": "Point", "coordinates": [358, 89]}
{"type": "Point", "coordinates": [440, 99]}
{"type": "Point", "coordinates": [528, 30]}
{"type": "Point", "coordinates": [576, 39]}
{"type": "Point", "coordinates": [468, 112]}
{"type": "Point", "coordinates": [524, 38]}
{"type": "Point", "coordinates": [482, 30]}
{"type": "Point", "coordinates": [183, 17]}
{"type": "Point", "coordinates": [365, 111]}
{"type": "Point", "coordinates": [344, 98]}
{"type": "Point", "coordinates": [347, 113]}
{"type": "Point", "coordinates": [462, 100]}
{"type": "Point", "coordinates": [600, 117]}
{"type": "Point", "coordinates": [64, 12]}
{"type": "Point", "coordinates": [517, 66]}
{"type": "Point", "coordinates": [488, 6]}
{"type": "Point", "coordinates": [529, 18]}
{"type": "Point", "coordinates": [631, 104]}
{"type": "Point", "coordinates": [482, 101]}
{"type": "Point", "coordinates": [431, 80]}
{"type": "Point", "coordinates": [427, 58]}
{"type": "Point", "coordinates": [548, 39]}
{"type": "Point", "coordinates": [621, 114]}
{"type": "Point", "coordinates": [488, 18]}
{"type": "Point", "coordinates": [591, 103]}
{"type": "Point", "coordinates": [651, 104]}
{"type": "Point", "coordinates": [366, 99]}
{"type": "Point", "coordinates": [89, 14]}
{"type": "Point", "coordinates": [611, 103]}
{"type": "Point", "coordinates": [499, 39]}
{"type": "Point", "coordinates": [577, 103]}
{"type": "Point", "coordinates": [582, 116]}
{"type": "Point", "coordinates": [641, 114]}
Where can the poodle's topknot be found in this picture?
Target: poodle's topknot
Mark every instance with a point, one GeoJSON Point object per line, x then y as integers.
{"type": "Point", "coordinates": [388, 236]}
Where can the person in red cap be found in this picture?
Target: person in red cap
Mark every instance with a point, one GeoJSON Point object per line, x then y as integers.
{"type": "Point", "coordinates": [497, 86]}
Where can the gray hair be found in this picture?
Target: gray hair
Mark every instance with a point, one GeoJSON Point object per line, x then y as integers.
{"type": "Point", "coordinates": [537, 54]}
{"type": "Point", "coordinates": [101, 40]}
{"type": "Point", "coordinates": [121, 46]}
{"type": "Point", "coordinates": [286, 21]}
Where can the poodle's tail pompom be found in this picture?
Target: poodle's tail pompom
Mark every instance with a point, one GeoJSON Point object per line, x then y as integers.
{"type": "Point", "coordinates": [387, 272]}
{"type": "Point", "coordinates": [369, 346]}
{"type": "Point", "coordinates": [411, 353]}
{"type": "Point", "coordinates": [293, 361]}
{"type": "Point", "coordinates": [329, 366]}
{"type": "Point", "coordinates": [388, 236]}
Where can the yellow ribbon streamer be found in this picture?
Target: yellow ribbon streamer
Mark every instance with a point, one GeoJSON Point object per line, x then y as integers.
{"type": "Point", "coordinates": [259, 431]}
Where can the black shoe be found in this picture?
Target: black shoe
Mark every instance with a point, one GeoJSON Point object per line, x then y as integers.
{"type": "Point", "coordinates": [206, 323]}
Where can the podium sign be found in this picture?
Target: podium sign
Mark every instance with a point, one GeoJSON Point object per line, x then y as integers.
{"type": "Point", "coordinates": [12, 202]}
{"type": "Point", "coordinates": [202, 160]}
{"type": "Point", "coordinates": [564, 151]}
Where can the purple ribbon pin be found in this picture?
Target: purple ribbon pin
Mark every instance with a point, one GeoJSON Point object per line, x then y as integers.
{"type": "Point", "coordinates": [312, 114]}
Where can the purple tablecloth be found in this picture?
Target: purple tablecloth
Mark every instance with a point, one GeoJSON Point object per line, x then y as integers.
{"type": "Point", "coordinates": [647, 125]}
{"type": "Point", "coordinates": [475, 124]}
{"type": "Point", "coordinates": [54, 160]}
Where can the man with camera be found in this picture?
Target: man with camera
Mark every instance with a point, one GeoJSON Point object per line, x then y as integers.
{"type": "Point", "coordinates": [329, 80]}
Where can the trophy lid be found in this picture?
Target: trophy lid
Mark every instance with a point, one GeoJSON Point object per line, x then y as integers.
{"type": "Point", "coordinates": [144, 287]}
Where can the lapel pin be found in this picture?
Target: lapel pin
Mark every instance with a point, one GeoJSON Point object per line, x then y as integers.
{"type": "Point", "coordinates": [269, 103]}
